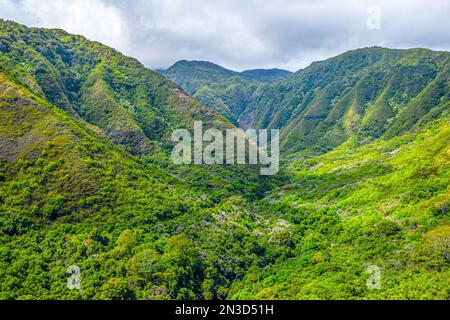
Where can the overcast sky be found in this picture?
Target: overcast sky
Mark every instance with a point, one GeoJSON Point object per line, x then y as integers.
{"type": "Point", "coordinates": [242, 34]}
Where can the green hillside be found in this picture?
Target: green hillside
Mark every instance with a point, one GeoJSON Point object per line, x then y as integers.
{"type": "Point", "coordinates": [384, 204]}
{"type": "Point", "coordinates": [69, 196]}
{"type": "Point", "coordinates": [266, 75]}
{"type": "Point", "coordinates": [72, 193]}
{"type": "Point", "coordinates": [223, 90]}
{"type": "Point", "coordinates": [370, 93]}
{"type": "Point", "coordinates": [132, 105]}
{"type": "Point", "coordinates": [86, 178]}
{"type": "Point", "coordinates": [367, 93]}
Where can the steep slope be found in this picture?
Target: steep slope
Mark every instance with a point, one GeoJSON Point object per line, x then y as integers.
{"type": "Point", "coordinates": [266, 75]}
{"type": "Point", "coordinates": [382, 206]}
{"type": "Point", "coordinates": [79, 187]}
{"type": "Point", "coordinates": [132, 105]}
{"type": "Point", "coordinates": [192, 75]}
{"type": "Point", "coordinates": [137, 227]}
{"type": "Point", "coordinates": [226, 91]}
{"type": "Point", "coordinates": [85, 179]}
{"type": "Point", "coordinates": [378, 196]}
{"type": "Point", "coordinates": [370, 93]}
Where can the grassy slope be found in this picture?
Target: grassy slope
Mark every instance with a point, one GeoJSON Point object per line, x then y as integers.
{"type": "Point", "coordinates": [386, 204]}
{"type": "Point", "coordinates": [226, 91]}
{"type": "Point", "coordinates": [142, 228]}
{"type": "Point", "coordinates": [69, 195]}
{"type": "Point", "coordinates": [134, 106]}
{"type": "Point", "coordinates": [137, 230]}
{"type": "Point", "coordinates": [368, 92]}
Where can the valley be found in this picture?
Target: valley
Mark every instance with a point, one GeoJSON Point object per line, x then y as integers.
{"type": "Point", "coordinates": [86, 177]}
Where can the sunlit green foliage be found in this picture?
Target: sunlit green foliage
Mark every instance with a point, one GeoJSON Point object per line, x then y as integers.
{"type": "Point", "coordinates": [367, 93]}
{"type": "Point", "coordinates": [226, 91]}
{"type": "Point", "coordinates": [86, 180]}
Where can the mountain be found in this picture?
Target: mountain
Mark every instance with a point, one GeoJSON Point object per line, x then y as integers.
{"type": "Point", "coordinates": [266, 75]}
{"type": "Point", "coordinates": [366, 93]}
{"type": "Point", "coordinates": [87, 183]}
{"type": "Point", "coordinates": [370, 93]}
{"type": "Point", "coordinates": [377, 213]}
{"type": "Point", "coordinates": [132, 105]}
{"type": "Point", "coordinates": [223, 90]}
{"type": "Point", "coordinates": [137, 227]}
{"type": "Point", "coordinates": [366, 135]}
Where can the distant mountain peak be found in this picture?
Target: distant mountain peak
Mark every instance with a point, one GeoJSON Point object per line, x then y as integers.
{"type": "Point", "coordinates": [266, 75]}
{"type": "Point", "coordinates": [262, 75]}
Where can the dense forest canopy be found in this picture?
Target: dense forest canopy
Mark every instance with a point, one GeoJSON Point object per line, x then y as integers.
{"type": "Point", "coordinates": [86, 177]}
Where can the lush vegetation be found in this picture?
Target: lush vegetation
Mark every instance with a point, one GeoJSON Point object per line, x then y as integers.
{"type": "Point", "coordinates": [384, 204]}
{"type": "Point", "coordinates": [133, 106]}
{"type": "Point", "coordinates": [367, 93]}
{"type": "Point", "coordinates": [86, 180]}
{"type": "Point", "coordinates": [223, 90]}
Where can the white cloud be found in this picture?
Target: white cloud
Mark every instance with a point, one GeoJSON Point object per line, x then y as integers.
{"type": "Point", "coordinates": [240, 34]}
{"type": "Point", "coordinates": [93, 19]}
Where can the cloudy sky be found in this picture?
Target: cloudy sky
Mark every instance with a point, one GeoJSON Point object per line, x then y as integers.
{"type": "Point", "coordinates": [242, 34]}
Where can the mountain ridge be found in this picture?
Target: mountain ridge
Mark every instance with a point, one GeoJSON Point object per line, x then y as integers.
{"type": "Point", "coordinates": [86, 179]}
{"type": "Point", "coordinates": [213, 66]}
{"type": "Point", "coordinates": [84, 77]}
{"type": "Point", "coordinates": [330, 100]}
{"type": "Point", "coordinates": [223, 90]}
